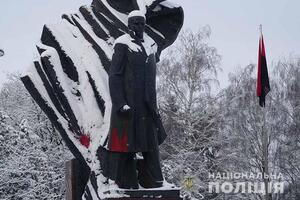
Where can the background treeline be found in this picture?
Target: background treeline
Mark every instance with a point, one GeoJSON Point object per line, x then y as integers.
{"type": "Point", "coordinates": [209, 131]}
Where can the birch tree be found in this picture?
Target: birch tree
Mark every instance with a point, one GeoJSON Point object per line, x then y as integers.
{"type": "Point", "coordinates": [186, 77]}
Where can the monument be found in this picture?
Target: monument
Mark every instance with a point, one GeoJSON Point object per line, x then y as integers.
{"type": "Point", "coordinates": [95, 80]}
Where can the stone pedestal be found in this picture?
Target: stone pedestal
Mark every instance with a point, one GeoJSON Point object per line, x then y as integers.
{"type": "Point", "coordinates": [152, 194]}
{"type": "Point", "coordinates": [77, 176]}
{"type": "Point", "coordinates": [129, 198]}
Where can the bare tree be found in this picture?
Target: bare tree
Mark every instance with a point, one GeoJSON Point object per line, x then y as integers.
{"type": "Point", "coordinates": [287, 101]}
{"type": "Point", "coordinates": [245, 126]}
{"type": "Point", "coordinates": [186, 77]}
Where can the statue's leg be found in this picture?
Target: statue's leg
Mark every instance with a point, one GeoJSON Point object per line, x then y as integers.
{"type": "Point", "coordinates": [150, 174]}
{"type": "Point", "coordinates": [122, 169]}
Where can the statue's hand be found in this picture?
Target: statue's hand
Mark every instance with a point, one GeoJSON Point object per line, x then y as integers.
{"type": "Point", "coordinates": [125, 108]}
{"type": "Point", "coordinates": [125, 112]}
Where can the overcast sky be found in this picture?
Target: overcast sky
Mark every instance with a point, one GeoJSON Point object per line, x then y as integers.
{"type": "Point", "coordinates": [234, 25]}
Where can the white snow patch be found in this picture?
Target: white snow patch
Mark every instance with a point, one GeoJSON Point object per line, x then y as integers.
{"type": "Point", "coordinates": [121, 16]}
{"type": "Point", "coordinates": [149, 44]}
{"type": "Point", "coordinates": [136, 13]}
{"type": "Point", "coordinates": [128, 40]}
{"type": "Point", "coordinates": [142, 6]}
{"type": "Point", "coordinates": [169, 4]}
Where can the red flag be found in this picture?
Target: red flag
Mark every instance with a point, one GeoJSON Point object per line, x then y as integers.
{"type": "Point", "coordinates": [263, 85]}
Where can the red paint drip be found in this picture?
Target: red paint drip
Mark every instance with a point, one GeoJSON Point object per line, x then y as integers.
{"type": "Point", "coordinates": [119, 144]}
{"type": "Point", "coordinates": [85, 140]}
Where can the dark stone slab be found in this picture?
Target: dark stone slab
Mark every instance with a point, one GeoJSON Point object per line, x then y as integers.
{"type": "Point", "coordinates": [153, 193]}
{"type": "Point", "coordinates": [150, 194]}
{"type": "Point", "coordinates": [129, 198]}
{"type": "Point", "coordinates": [77, 176]}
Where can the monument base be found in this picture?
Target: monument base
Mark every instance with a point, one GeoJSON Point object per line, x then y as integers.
{"type": "Point", "coordinates": [77, 177]}
{"type": "Point", "coordinates": [152, 194]}
{"type": "Point", "coordinates": [130, 198]}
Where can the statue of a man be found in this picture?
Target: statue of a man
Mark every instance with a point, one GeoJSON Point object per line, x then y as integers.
{"type": "Point", "coordinates": [135, 123]}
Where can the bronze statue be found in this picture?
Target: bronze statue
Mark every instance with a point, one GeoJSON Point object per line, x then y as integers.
{"type": "Point", "coordinates": [135, 122]}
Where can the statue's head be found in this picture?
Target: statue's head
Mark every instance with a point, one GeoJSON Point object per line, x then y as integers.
{"type": "Point", "coordinates": [136, 24]}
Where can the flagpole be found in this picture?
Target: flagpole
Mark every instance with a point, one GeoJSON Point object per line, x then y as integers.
{"type": "Point", "coordinates": [265, 141]}
{"type": "Point", "coordinates": [260, 29]}
{"type": "Point", "coordinates": [265, 145]}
